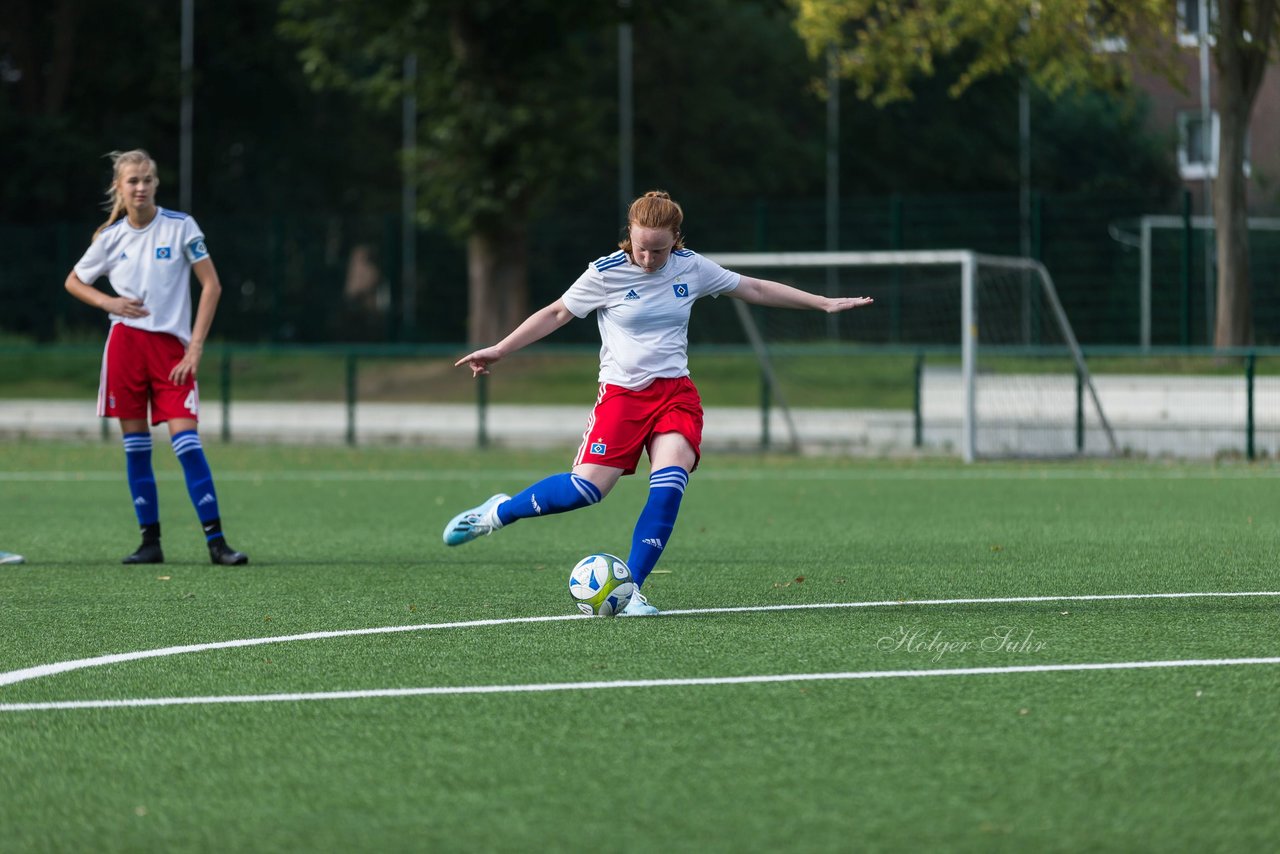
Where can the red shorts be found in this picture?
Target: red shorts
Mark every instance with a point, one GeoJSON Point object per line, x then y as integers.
{"type": "Point", "coordinates": [624, 422]}
{"type": "Point", "coordinates": [135, 372]}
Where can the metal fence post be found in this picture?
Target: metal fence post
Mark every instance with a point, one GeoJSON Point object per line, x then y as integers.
{"type": "Point", "coordinates": [1079, 412]}
{"type": "Point", "coordinates": [765, 405]}
{"type": "Point", "coordinates": [1249, 365]}
{"type": "Point", "coordinates": [482, 411]}
{"type": "Point", "coordinates": [918, 404]}
{"type": "Point", "coordinates": [226, 394]}
{"type": "Point", "coordinates": [351, 398]}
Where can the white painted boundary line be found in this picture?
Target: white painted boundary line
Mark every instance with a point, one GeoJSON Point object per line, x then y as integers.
{"type": "Point", "coordinates": [79, 664]}
{"type": "Point", "coordinates": [627, 683]}
{"type": "Point", "coordinates": [43, 670]}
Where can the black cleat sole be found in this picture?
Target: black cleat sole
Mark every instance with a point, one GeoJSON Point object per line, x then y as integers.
{"type": "Point", "coordinates": [146, 553]}
{"type": "Point", "coordinates": [227, 556]}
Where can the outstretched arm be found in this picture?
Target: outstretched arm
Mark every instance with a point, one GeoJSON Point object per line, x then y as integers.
{"type": "Point", "coordinates": [536, 326]}
{"type": "Point", "coordinates": [778, 295]}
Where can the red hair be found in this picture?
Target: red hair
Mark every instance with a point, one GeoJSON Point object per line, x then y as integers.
{"type": "Point", "coordinates": [655, 209]}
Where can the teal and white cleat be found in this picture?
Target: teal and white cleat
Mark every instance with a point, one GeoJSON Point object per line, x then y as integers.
{"type": "Point", "coordinates": [638, 607]}
{"type": "Point", "coordinates": [476, 522]}
{"type": "Point", "coordinates": [10, 557]}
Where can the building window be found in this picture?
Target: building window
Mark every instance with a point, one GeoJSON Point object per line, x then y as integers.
{"type": "Point", "coordinates": [1197, 146]}
{"type": "Point", "coordinates": [1198, 150]}
{"type": "Point", "coordinates": [1189, 21]}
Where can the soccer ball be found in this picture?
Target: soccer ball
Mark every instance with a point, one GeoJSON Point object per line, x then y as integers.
{"type": "Point", "coordinates": [601, 584]}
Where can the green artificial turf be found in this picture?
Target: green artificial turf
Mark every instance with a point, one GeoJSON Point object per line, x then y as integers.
{"type": "Point", "coordinates": [1000, 758]}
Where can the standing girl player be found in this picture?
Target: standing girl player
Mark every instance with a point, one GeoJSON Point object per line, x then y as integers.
{"type": "Point", "coordinates": [642, 296]}
{"type": "Point", "coordinates": [152, 352]}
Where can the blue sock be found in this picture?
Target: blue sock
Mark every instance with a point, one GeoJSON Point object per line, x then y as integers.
{"type": "Point", "coordinates": [142, 479]}
{"type": "Point", "coordinates": [657, 520]}
{"type": "Point", "coordinates": [558, 493]}
{"type": "Point", "coordinates": [190, 453]}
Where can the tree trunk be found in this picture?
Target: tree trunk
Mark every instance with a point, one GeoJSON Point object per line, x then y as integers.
{"type": "Point", "coordinates": [1233, 325]}
{"type": "Point", "coordinates": [498, 283]}
{"type": "Point", "coordinates": [1241, 65]}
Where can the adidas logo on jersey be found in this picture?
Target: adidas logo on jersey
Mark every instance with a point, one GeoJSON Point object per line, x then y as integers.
{"type": "Point", "coordinates": [631, 295]}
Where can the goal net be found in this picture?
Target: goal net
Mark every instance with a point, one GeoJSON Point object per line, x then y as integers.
{"type": "Point", "coordinates": [998, 373]}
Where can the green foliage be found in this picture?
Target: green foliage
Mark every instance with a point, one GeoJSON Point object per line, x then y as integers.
{"type": "Point", "coordinates": [884, 46]}
{"type": "Point", "coordinates": [505, 91]}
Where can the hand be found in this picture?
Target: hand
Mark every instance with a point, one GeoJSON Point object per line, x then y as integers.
{"type": "Point", "coordinates": [186, 369]}
{"type": "Point", "coordinates": [837, 304]}
{"type": "Point", "coordinates": [480, 360]}
{"type": "Point", "coordinates": [126, 307]}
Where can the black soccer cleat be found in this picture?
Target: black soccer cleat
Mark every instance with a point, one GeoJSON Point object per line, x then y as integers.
{"type": "Point", "coordinates": [146, 553]}
{"type": "Point", "coordinates": [223, 554]}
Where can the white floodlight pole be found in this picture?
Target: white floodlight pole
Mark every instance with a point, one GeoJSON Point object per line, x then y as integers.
{"type": "Point", "coordinates": [968, 357]}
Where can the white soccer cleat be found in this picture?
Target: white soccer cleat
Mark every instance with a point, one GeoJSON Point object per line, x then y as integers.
{"type": "Point", "coordinates": [638, 607]}
{"type": "Point", "coordinates": [10, 557]}
{"type": "Point", "coordinates": [476, 522]}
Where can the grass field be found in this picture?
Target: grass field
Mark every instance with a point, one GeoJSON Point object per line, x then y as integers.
{"type": "Point", "coordinates": [450, 700]}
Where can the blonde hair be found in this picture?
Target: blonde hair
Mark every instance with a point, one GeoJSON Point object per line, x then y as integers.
{"type": "Point", "coordinates": [655, 209]}
{"type": "Point", "coordinates": [115, 202]}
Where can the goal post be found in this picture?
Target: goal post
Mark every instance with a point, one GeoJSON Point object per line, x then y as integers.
{"type": "Point", "coordinates": [994, 310]}
{"type": "Point", "coordinates": [1263, 230]}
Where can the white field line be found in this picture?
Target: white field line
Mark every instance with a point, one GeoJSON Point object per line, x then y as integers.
{"type": "Point", "coordinates": [40, 671]}
{"type": "Point", "coordinates": [627, 683]}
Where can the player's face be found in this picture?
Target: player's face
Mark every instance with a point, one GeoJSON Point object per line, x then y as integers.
{"type": "Point", "coordinates": [137, 187]}
{"type": "Point", "coordinates": [651, 247]}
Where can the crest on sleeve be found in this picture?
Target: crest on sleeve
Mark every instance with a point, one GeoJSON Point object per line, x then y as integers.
{"type": "Point", "coordinates": [197, 250]}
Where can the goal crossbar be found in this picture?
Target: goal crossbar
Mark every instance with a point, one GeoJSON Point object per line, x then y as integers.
{"type": "Point", "coordinates": [968, 261]}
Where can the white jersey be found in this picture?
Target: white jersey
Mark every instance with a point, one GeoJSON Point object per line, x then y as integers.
{"type": "Point", "coordinates": [151, 264]}
{"type": "Point", "coordinates": [644, 317]}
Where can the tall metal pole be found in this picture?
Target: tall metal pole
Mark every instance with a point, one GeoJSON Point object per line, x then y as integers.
{"type": "Point", "coordinates": [186, 111]}
{"type": "Point", "coordinates": [626, 120]}
{"type": "Point", "coordinates": [409, 199]}
{"type": "Point", "coordinates": [1024, 197]}
{"type": "Point", "coordinates": [833, 183]}
{"type": "Point", "coordinates": [1209, 143]}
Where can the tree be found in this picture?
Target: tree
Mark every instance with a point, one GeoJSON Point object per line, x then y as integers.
{"type": "Point", "coordinates": [511, 105]}
{"type": "Point", "coordinates": [1247, 36]}
{"type": "Point", "coordinates": [519, 114]}
{"type": "Point", "coordinates": [882, 46]}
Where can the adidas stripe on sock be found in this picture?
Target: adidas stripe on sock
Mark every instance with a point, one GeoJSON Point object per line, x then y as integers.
{"type": "Point", "coordinates": [187, 447]}
{"type": "Point", "coordinates": [142, 478]}
{"type": "Point", "coordinates": [558, 493]}
{"type": "Point", "coordinates": [657, 520]}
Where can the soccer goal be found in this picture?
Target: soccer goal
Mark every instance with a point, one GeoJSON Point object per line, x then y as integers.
{"type": "Point", "coordinates": [1000, 372]}
{"type": "Point", "coordinates": [1168, 235]}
